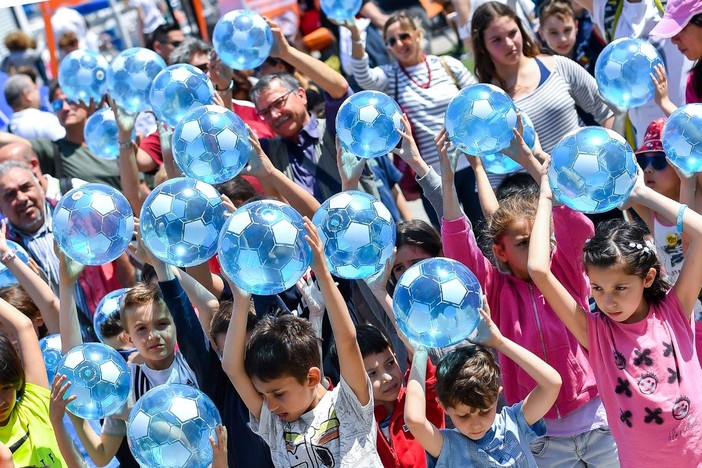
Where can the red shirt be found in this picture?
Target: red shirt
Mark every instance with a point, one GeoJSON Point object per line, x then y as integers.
{"type": "Point", "coordinates": [403, 450]}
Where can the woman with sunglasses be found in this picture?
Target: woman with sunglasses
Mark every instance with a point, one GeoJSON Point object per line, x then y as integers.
{"type": "Point", "coordinates": [664, 179]}
{"type": "Point", "coordinates": [423, 85]}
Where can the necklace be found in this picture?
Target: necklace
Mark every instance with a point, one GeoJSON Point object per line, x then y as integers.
{"type": "Point", "coordinates": [423, 86]}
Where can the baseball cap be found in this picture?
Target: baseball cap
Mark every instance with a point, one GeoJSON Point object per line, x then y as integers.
{"type": "Point", "coordinates": [652, 138]}
{"type": "Point", "coordinates": [677, 14]}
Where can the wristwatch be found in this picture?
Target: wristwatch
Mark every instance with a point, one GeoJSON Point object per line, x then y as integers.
{"type": "Point", "coordinates": [8, 256]}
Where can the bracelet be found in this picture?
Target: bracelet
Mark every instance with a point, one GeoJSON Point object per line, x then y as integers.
{"type": "Point", "coordinates": [228, 88]}
{"type": "Point", "coordinates": [360, 41]}
{"type": "Point", "coordinates": [125, 145]}
{"type": "Point", "coordinates": [681, 212]}
{"type": "Point", "coordinates": [8, 256]}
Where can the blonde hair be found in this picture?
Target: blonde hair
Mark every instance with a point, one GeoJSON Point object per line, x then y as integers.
{"type": "Point", "coordinates": [511, 209]}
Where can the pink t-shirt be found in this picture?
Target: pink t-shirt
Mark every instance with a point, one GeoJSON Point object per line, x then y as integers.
{"type": "Point", "coordinates": [649, 379]}
{"type": "Point", "coordinates": [690, 96]}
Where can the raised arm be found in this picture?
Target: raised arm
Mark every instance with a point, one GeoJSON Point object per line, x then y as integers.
{"type": "Point", "coordinates": [486, 195]}
{"type": "Point", "coordinates": [539, 265]}
{"type": "Point", "coordinates": [350, 360]}
{"type": "Point", "coordinates": [21, 327]}
{"type": "Point", "coordinates": [520, 152]}
{"type": "Point", "coordinates": [234, 351]}
{"type": "Point", "coordinates": [452, 207]}
{"type": "Point", "coordinates": [128, 168]}
{"type": "Point", "coordinates": [68, 317]}
{"type": "Point", "coordinates": [427, 434]}
{"type": "Point", "coordinates": [317, 71]}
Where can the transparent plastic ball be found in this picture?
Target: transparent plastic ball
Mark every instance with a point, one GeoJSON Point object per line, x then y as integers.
{"type": "Point", "coordinates": [243, 39]}
{"type": "Point", "coordinates": [178, 89]}
{"type": "Point", "coordinates": [170, 426]}
{"type": "Point", "coordinates": [93, 224]}
{"type": "Point", "coordinates": [50, 347]}
{"type": "Point", "coordinates": [101, 134]}
{"type": "Point", "coordinates": [180, 221]}
{"type": "Point", "coordinates": [263, 249]}
{"type": "Point", "coordinates": [592, 170]}
{"type": "Point", "coordinates": [437, 302]}
{"type": "Point", "coordinates": [500, 163]}
{"type": "Point", "coordinates": [682, 138]}
{"type": "Point", "coordinates": [83, 76]}
{"type": "Point", "coordinates": [480, 119]}
{"type": "Point", "coordinates": [358, 233]}
{"type": "Point", "coordinates": [341, 10]}
{"type": "Point", "coordinates": [129, 78]}
{"type": "Point", "coordinates": [6, 276]}
{"type": "Point", "coordinates": [107, 308]}
{"type": "Point", "coordinates": [623, 72]}
{"type": "Point", "coordinates": [211, 144]}
{"type": "Point", "coordinates": [367, 124]}
{"type": "Point", "coordinates": [99, 378]}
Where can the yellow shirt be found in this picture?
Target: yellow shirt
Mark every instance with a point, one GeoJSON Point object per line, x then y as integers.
{"type": "Point", "coordinates": [28, 432]}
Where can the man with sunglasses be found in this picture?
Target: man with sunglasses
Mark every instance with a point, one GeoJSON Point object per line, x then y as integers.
{"type": "Point", "coordinates": [164, 39]}
{"type": "Point", "coordinates": [305, 148]}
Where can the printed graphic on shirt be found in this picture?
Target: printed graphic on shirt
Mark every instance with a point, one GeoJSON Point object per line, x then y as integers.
{"type": "Point", "coordinates": [508, 453]}
{"type": "Point", "coordinates": [681, 408]}
{"type": "Point", "coordinates": [310, 450]}
{"type": "Point", "coordinates": [648, 383]}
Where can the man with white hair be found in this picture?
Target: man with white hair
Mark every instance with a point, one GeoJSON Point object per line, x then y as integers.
{"type": "Point", "coordinates": [27, 121]}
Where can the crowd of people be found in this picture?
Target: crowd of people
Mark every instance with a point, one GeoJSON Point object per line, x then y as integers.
{"type": "Point", "coordinates": [587, 352]}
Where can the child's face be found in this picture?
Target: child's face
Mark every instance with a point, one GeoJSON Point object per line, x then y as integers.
{"type": "Point", "coordinates": [472, 423]}
{"type": "Point", "coordinates": [559, 34]}
{"type": "Point", "coordinates": [286, 397]}
{"type": "Point", "coordinates": [406, 256]}
{"type": "Point", "coordinates": [8, 399]}
{"type": "Point", "coordinates": [385, 376]}
{"type": "Point", "coordinates": [513, 247]}
{"type": "Point", "coordinates": [152, 332]}
{"type": "Point", "coordinates": [659, 175]}
{"type": "Point", "coordinates": [503, 41]}
{"type": "Point", "coordinates": [618, 294]}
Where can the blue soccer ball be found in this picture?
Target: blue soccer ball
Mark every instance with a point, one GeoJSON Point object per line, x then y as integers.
{"type": "Point", "coordinates": [99, 378]}
{"type": "Point", "coordinates": [500, 163]}
{"type": "Point", "coordinates": [50, 347]}
{"type": "Point", "coordinates": [101, 134]}
{"type": "Point", "coordinates": [263, 249]}
{"type": "Point", "coordinates": [178, 89]}
{"type": "Point", "coordinates": [243, 39]}
{"type": "Point", "coordinates": [341, 10]}
{"type": "Point", "coordinates": [682, 138]}
{"type": "Point", "coordinates": [437, 302]}
{"type": "Point", "coordinates": [93, 224]}
{"type": "Point", "coordinates": [83, 76]}
{"type": "Point", "coordinates": [6, 276]}
{"type": "Point", "coordinates": [107, 308]}
{"type": "Point", "coordinates": [592, 170]}
{"type": "Point", "coordinates": [170, 426]}
{"type": "Point", "coordinates": [623, 72]}
{"type": "Point", "coordinates": [211, 144]}
{"type": "Point", "coordinates": [480, 119]}
{"type": "Point", "coordinates": [130, 76]}
{"type": "Point", "coordinates": [367, 124]}
{"type": "Point", "coordinates": [358, 233]}
{"type": "Point", "coordinates": [180, 221]}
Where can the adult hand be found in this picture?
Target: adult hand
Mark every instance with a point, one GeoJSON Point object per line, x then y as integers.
{"type": "Point", "coordinates": [660, 83]}
{"type": "Point", "coordinates": [351, 26]}
{"type": "Point", "coordinates": [4, 247]}
{"type": "Point", "coordinates": [220, 73]}
{"type": "Point", "coordinates": [281, 47]}
{"type": "Point", "coordinates": [125, 120]}
{"type": "Point", "coordinates": [447, 161]}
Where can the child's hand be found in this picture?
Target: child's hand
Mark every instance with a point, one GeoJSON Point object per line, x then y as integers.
{"type": "Point", "coordinates": [57, 404]}
{"type": "Point", "coordinates": [660, 82]}
{"type": "Point", "coordinates": [379, 281]}
{"type": "Point", "coordinates": [487, 332]}
{"type": "Point", "coordinates": [319, 263]}
{"type": "Point", "coordinates": [6, 457]}
{"type": "Point", "coordinates": [448, 161]}
{"type": "Point", "coordinates": [4, 247]}
{"type": "Point", "coordinates": [219, 448]}
{"type": "Point", "coordinates": [637, 192]}
{"type": "Point", "coordinates": [228, 205]}
{"type": "Point", "coordinates": [518, 150]}
{"type": "Point", "coordinates": [312, 297]}
{"type": "Point", "coordinates": [69, 270]}
{"type": "Point", "coordinates": [260, 166]}
{"type": "Point", "coordinates": [142, 253]}
{"type": "Point", "coordinates": [350, 168]}
{"type": "Point", "coordinates": [545, 189]}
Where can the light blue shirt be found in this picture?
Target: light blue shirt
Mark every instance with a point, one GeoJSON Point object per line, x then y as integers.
{"type": "Point", "coordinates": [505, 445]}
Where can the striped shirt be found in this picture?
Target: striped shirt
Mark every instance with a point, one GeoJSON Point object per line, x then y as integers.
{"type": "Point", "coordinates": [551, 106]}
{"type": "Point", "coordinates": [424, 107]}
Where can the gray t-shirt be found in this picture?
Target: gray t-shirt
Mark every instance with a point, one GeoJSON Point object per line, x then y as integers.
{"type": "Point", "coordinates": [506, 444]}
{"type": "Point", "coordinates": [338, 432]}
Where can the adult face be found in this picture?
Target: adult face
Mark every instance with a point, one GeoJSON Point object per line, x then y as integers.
{"type": "Point", "coordinates": [23, 153]}
{"type": "Point", "coordinates": [173, 40]}
{"type": "Point", "coordinates": [22, 199]}
{"type": "Point", "coordinates": [689, 41]}
{"type": "Point", "coordinates": [404, 43]}
{"type": "Point", "coordinates": [285, 111]}
{"type": "Point", "coordinates": [71, 114]}
{"type": "Point", "coordinates": [503, 41]}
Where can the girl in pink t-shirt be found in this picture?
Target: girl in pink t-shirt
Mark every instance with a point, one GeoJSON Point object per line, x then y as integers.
{"type": "Point", "coordinates": [640, 341]}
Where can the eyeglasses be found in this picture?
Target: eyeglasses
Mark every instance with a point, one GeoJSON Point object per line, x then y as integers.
{"type": "Point", "coordinates": [277, 105]}
{"type": "Point", "coordinates": [58, 104]}
{"type": "Point", "coordinates": [203, 66]}
{"type": "Point", "coordinates": [391, 41]}
{"type": "Point", "coordinates": [175, 43]}
{"type": "Point", "coordinates": [657, 161]}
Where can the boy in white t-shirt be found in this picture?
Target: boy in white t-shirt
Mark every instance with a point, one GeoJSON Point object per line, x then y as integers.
{"type": "Point", "coordinates": [278, 377]}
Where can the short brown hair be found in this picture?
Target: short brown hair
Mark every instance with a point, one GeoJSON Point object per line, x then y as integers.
{"type": "Point", "coordinates": [468, 376]}
{"type": "Point", "coordinates": [561, 9]}
{"type": "Point", "coordinates": [221, 318]}
{"type": "Point", "coordinates": [282, 346]}
{"type": "Point", "coordinates": [141, 294]}
{"type": "Point", "coordinates": [402, 17]}
{"type": "Point", "coordinates": [67, 39]}
{"type": "Point", "coordinates": [19, 41]}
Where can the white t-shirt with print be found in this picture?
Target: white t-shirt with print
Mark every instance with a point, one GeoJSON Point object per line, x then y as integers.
{"type": "Point", "coordinates": [338, 432]}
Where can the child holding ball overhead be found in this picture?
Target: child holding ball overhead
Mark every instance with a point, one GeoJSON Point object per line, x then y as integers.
{"type": "Point", "coordinates": [640, 341]}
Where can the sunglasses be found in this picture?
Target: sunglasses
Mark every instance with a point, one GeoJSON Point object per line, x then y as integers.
{"type": "Point", "coordinates": [175, 43]}
{"type": "Point", "coordinates": [402, 37]}
{"type": "Point", "coordinates": [203, 66]}
{"type": "Point", "coordinates": [58, 104]}
{"type": "Point", "coordinates": [277, 105]}
{"type": "Point", "coordinates": [657, 162]}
